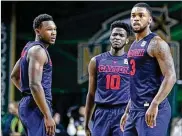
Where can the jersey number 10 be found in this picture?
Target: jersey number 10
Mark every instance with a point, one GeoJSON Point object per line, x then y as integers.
{"type": "Point", "coordinates": [113, 82]}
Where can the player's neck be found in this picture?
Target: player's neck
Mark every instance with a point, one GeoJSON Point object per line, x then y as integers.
{"type": "Point", "coordinates": [115, 52]}
{"type": "Point", "coordinates": [46, 45]}
{"type": "Point", "coordinates": [140, 36]}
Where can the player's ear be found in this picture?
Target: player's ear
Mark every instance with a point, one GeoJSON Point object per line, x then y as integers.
{"type": "Point", "coordinates": [37, 31]}
{"type": "Point", "coordinates": [110, 38]}
{"type": "Point", "coordinates": [150, 20]}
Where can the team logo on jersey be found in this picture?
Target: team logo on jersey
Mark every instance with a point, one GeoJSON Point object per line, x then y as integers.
{"type": "Point", "coordinates": [125, 61]}
{"type": "Point", "coordinates": [99, 42]}
{"type": "Point", "coordinates": [143, 43]}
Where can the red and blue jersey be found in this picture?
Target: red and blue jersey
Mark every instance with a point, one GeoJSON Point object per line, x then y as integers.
{"type": "Point", "coordinates": [46, 75]}
{"type": "Point", "coordinates": [146, 76]}
{"type": "Point", "coordinates": [112, 79]}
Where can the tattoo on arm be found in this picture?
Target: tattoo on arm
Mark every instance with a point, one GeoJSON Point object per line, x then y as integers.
{"type": "Point", "coordinates": [163, 55]}
{"type": "Point", "coordinates": [161, 51]}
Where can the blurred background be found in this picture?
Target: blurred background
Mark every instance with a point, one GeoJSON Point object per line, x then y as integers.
{"type": "Point", "coordinates": [83, 32]}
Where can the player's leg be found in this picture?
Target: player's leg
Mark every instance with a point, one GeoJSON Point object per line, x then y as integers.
{"type": "Point", "coordinates": [101, 123]}
{"type": "Point", "coordinates": [31, 117]}
{"type": "Point", "coordinates": [129, 128]}
{"type": "Point", "coordinates": [117, 113]}
{"type": "Point", "coordinates": [161, 127]}
{"type": "Point", "coordinates": [130, 132]}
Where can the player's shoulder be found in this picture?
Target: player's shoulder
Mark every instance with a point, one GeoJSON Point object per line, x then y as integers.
{"type": "Point", "coordinates": [102, 55]}
{"type": "Point", "coordinates": [157, 45]}
{"type": "Point", "coordinates": [37, 51]}
{"type": "Point", "coordinates": [156, 40]}
{"type": "Point", "coordinates": [98, 57]}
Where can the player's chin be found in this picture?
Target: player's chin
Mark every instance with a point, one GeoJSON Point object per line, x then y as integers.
{"type": "Point", "coordinates": [117, 47]}
{"type": "Point", "coordinates": [52, 43]}
{"type": "Point", "coordinates": [136, 30]}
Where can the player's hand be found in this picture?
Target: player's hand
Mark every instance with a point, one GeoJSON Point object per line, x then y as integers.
{"type": "Point", "coordinates": [151, 115]}
{"type": "Point", "coordinates": [50, 126]}
{"type": "Point", "coordinates": [87, 131]}
{"type": "Point", "coordinates": [123, 121]}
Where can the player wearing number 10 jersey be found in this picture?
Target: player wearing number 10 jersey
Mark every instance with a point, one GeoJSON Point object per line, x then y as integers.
{"type": "Point", "coordinates": [109, 85]}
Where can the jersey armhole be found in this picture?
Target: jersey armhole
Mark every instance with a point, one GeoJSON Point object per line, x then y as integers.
{"type": "Point", "coordinates": [146, 48]}
{"type": "Point", "coordinates": [97, 59]}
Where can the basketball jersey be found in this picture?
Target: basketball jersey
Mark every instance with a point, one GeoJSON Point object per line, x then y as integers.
{"type": "Point", "coordinates": [46, 75]}
{"type": "Point", "coordinates": [146, 76]}
{"type": "Point", "coordinates": [112, 79]}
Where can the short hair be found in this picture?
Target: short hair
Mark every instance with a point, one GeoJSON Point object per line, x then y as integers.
{"type": "Point", "coordinates": [144, 5]}
{"type": "Point", "coordinates": [40, 18]}
{"type": "Point", "coordinates": [121, 24]}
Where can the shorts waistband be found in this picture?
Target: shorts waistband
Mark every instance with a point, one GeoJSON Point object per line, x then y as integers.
{"type": "Point", "coordinates": [111, 106]}
{"type": "Point", "coordinates": [26, 93]}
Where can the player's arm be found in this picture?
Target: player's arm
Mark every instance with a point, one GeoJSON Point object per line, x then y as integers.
{"type": "Point", "coordinates": [15, 74]}
{"type": "Point", "coordinates": [91, 91]}
{"type": "Point", "coordinates": [161, 51]}
{"type": "Point", "coordinates": [163, 55]}
{"type": "Point", "coordinates": [124, 117]}
{"type": "Point", "coordinates": [37, 58]}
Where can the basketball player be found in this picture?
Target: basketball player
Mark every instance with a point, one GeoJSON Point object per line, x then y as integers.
{"type": "Point", "coordinates": [32, 75]}
{"type": "Point", "coordinates": [152, 78]}
{"type": "Point", "coordinates": [109, 85]}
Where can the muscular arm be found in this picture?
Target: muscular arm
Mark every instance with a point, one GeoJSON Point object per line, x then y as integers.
{"type": "Point", "coordinates": [160, 49]}
{"type": "Point", "coordinates": [91, 91]}
{"type": "Point", "coordinates": [15, 74]}
{"type": "Point", "coordinates": [37, 58]}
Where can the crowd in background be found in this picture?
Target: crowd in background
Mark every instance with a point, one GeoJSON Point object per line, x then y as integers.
{"type": "Point", "coordinates": [12, 126]}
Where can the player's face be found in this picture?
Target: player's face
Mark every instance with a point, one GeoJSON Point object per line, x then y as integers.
{"type": "Point", "coordinates": [118, 38]}
{"type": "Point", "coordinates": [48, 32]}
{"type": "Point", "coordinates": [140, 19]}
